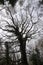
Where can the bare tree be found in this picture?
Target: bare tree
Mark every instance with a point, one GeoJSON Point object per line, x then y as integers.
{"type": "Point", "coordinates": [21, 31]}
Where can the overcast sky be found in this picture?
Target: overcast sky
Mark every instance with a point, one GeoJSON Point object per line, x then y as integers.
{"type": "Point", "coordinates": [21, 7]}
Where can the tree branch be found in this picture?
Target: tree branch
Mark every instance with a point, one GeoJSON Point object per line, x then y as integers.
{"type": "Point", "coordinates": [12, 31]}
{"type": "Point", "coordinates": [11, 16]}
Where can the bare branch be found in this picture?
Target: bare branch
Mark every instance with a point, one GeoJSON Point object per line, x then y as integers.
{"type": "Point", "coordinates": [2, 8]}
{"type": "Point", "coordinates": [27, 25]}
{"type": "Point", "coordinates": [33, 33]}
{"type": "Point", "coordinates": [23, 23]}
{"type": "Point", "coordinates": [31, 21]}
{"type": "Point", "coordinates": [30, 28]}
{"type": "Point", "coordinates": [5, 21]}
{"type": "Point", "coordinates": [10, 26]}
{"type": "Point", "coordinates": [12, 31]}
{"type": "Point", "coordinates": [11, 16]}
{"type": "Point", "coordinates": [10, 52]}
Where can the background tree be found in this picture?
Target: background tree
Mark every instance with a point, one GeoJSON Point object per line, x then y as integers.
{"type": "Point", "coordinates": [35, 57]}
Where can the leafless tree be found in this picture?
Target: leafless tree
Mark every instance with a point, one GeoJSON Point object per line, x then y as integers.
{"type": "Point", "coordinates": [21, 30]}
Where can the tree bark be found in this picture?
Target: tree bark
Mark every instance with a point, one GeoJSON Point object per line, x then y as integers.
{"type": "Point", "coordinates": [22, 48]}
{"type": "Point", "coordinates": [23, 54]}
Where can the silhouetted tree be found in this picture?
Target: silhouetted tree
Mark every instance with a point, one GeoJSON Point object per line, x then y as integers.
{"type": "Point", "coordinates": [22, 31]}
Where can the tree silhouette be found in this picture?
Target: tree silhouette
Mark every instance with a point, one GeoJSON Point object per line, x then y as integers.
{"type": "Point", "coordinates": [22, 31]}
{"type": "Point", "coordinates": [21, 36]}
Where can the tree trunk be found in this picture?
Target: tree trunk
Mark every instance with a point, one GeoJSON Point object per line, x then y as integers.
{"type": "Point", "coordinates": [23, 54]}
